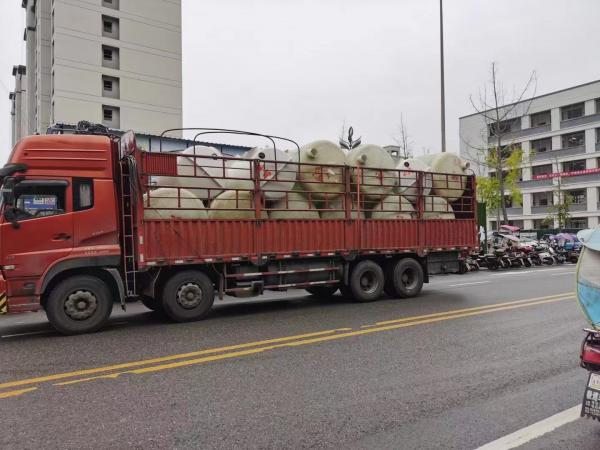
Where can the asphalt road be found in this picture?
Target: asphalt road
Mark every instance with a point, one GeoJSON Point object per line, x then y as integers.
{"type": "Point", "coordinates": [476, 357]}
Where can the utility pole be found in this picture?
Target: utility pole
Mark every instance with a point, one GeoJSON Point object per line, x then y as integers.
{"type": "Point", "coordinates": [442, 78]}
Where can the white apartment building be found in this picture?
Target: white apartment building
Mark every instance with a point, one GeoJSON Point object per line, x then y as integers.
{"type": "Point", "coordinates": [560, 137]}
{"type": "Point", "coordinates": [115, 62]}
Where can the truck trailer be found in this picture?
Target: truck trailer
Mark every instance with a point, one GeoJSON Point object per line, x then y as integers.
{"type": "Point", "coordinates": [79, 231]}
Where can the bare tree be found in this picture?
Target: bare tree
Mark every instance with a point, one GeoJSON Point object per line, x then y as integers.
{"type": "Point", "coordinates": [402, 139]}
{"type": "Point", "coordinates": [498, 151]}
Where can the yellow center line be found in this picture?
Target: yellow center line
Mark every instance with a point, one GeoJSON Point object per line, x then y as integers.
{"type": "Point", "coordinates": [78, 373]}
{"type": "Point", "coordinates": [301, 339]}
{"type": "Point", "coordinates": [315, 340]}
{"type": "Point", "coordinates": [16, 393]}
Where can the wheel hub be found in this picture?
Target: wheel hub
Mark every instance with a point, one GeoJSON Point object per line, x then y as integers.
{"type": "Point", "coordinates": [81, 305]}
{"type": "Point", "coordinates": [189, 295]}
{"type": "Point", "coordinates": [368, 282]}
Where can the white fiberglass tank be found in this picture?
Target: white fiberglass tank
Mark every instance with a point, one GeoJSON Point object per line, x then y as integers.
{"type": "Point", "coordinates": [202, 173]}
{"type": "Point", "coordinates": [334, 209]}
{"type": "Point", "coordinates": [408, 178]}
{"type": "Point", "coordinates": [234, 205]}
{"type": "Point", "coordinates": [277, 175]}
{"type": "Point", "coordinates": [452, 184]}
{"type": "Point", "coordinates": [373, 169]}
{"type": "Point", "coordinates": [295, 206]}
{"type": "Point", "coordinates": [393, 207]}
{"type": "Point", "coordinates": [168, 203]}
{"type": "Point", "coordinates": [321, 169]}
{"type": "Point", "coordinates": [437, 208]}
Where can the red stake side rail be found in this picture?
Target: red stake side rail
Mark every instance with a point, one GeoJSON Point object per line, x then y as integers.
{"type": "Point", "coordinates": [172, 241]}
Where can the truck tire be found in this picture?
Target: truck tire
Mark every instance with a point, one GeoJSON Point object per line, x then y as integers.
{"type": "Point", "coordinates": [322, 291]}
{"type": "Point", "coordinates": [187, 296]}
{"type": "Point", "coordinates": [79, 304]}
{"type": "Point", "coordinates": [366, 281]}
{"type": "Point", "coordinates": [407, 278]}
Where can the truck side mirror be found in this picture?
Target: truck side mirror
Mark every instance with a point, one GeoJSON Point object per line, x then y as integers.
{"type": "Point", "coordinates": [10, 214]}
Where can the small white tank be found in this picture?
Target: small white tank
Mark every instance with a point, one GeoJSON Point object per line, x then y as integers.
{"type": "Point", "coordinates": [408, 179]}
{"type": "Point", "coordinates": [207, 175]}
{"type": "Point", "coordinates": [437, 208]}
{"type": "Point", "coordinates": [451, 186]}
{"type": "Point", "coordinates": [276, 173]}
{"type": "Point", "coordinates": [393, 207]}
{"type": "Point", "coordinates": [336, 207]}
{"type": "Point", "coordinates": [228, 205]}
{"type": "Point", "coordinates": [295, 201]}
{"type": "Point", "coordinates": [322, 180]}
{"type": "Point", "coordinates": [173, 205]}
{"type": "Point", "coordinates": [373, 182]}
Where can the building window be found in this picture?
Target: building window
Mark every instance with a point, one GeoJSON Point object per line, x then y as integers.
{"type": "Point", "coordinates": [539, 119]}
{"type": "Point", "coordinates": [111, 116]}
{"type": "Point", "coordinates": [540, 224]}
{"type": "Point", "coordinates": [572, 111]}
{"type": "Point", "coordinates": [110, 57]}
{"type": "Point", "coordinates": [573, 139]}
{"type": "Point", "coordinates": [542, 199]}
{"type": "Point", "coordinates": [597, 135]}
{"type": "Point", "coordinates": [542, 145]}
{"type": "Point", "coordinates": [110, 27]}
{"type": "Point", "coordinates": [504, 127]}
{"type": "Point", "coordinates": [112, 4]}
{"type": "Point", "coordinates": [541, 170]}
{"type": "Point", "coordinates": [578, 196]}
{"type": "Point", "coordinates": [598, 106]}
{"type": "Point", "coordinates": [110, 86]}
{"type": "Point", "coordinates": [577, 223]}
{"type": "Point", "coordinates": [573, 166]}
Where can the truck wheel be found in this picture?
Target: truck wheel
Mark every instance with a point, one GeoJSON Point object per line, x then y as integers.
{"type": "Point", "coordinates": [366, 281]}
{"type": "Point", "coordinates": [322, 291]}
{"type": "Point", "coordinates": [188, 296]}
{"type": "Point", "coordinates": [407, 278]}
{"type": "Point", "coordinates": [80, 304]}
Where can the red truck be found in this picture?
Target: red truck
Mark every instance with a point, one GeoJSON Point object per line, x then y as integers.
{"type": "Point", "coordinates": [74, 238]}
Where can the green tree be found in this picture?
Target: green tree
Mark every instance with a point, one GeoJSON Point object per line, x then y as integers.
{"type": "Point", "coordinates": [561, 207]}
{"type": "Point", "coordinates": [499, 159]}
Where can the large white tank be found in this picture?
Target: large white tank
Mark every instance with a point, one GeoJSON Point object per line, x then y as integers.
{"type": "Point", "coordinates": [408, 179]}
{"type": "Point", "coordinates": [295, 201]}
{"type": "Point", "coordinates": [437, 208]}
{"type": "Point", "coordinates": [276, 173]}
{"type": "Point", "coordinates": [207, 175]}
{"type": "Point", "coordinates": [171, 204]}
{"type": "Point", "coordinates": [451, 186]}
{"type": "Point", "coordinates": [373, 182]}
{"type": "Point", "coordinates": [393, 207]}
{"type": "Point", "coordinates": [335, 210]}
{"type": "Point", "coordinates": [322, 181]}
{"type": "Point", "coordinates": [228, 205]}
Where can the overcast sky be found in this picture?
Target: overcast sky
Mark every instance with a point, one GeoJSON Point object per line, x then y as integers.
{"type": "Point", "coordinates": [300, 68]}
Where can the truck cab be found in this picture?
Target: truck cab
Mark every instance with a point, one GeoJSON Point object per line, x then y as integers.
{"type": "Point", "coordinates": [59, 219]}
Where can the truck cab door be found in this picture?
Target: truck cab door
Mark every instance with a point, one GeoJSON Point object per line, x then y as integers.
{"type": "Point", "coordinates": [44, 234]}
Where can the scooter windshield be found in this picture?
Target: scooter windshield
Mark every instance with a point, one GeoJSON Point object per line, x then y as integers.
{"type": "Point", "coordinates": [588, 284]}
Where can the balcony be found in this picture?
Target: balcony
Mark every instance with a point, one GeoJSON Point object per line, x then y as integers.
{"type": "Point", "coordinates": [522, 133]}
{"type": "Point", "coordinates": [578, 207]}
{"type": "Point", "coordinates": [558, 153]}
{"type": "Point", "coordinates": [535, 183]}
{"type": "Point", "coordinates": [591, 177]}
{"type": "Point", "coordinates": [539, 209]}
{"type": "Point", "coordinates": [579, 121]}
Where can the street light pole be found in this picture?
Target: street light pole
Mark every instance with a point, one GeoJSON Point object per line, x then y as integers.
{"type": "Point", "coordinates": [442, 78]}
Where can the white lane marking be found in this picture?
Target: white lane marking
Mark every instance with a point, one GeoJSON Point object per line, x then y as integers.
{"type": "Point", "coordinates": [527, 273]}
{"type": "Point", "coordinates": [468, 284]}
{"type": "Point", "coordinates": [26, 334]}
{"type": "Point", "coordinates": [536, 430]}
